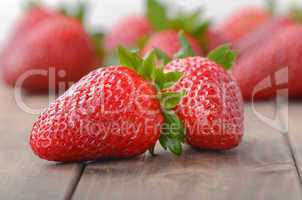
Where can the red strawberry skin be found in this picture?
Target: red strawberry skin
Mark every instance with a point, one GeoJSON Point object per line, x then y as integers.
{"type": "Point", "coordinates": [212, 108]}
{"type": "Point", "coordinates": [110, 113]}
{"type": "Point", "coordinates": [59, 42]}
{"type": "Point", "coordinates": [243, 22]}
{"type": "Point", "coordinates": [31, 19]}
{"type": "Point", "coordinates": [284, 49]}
{"type": "Point", "coordinates": [214, 39]}
{"type": "Point", "coordinates": [261, 34]}
{"type": "Point", "coordinates": [168, 42]}
{"type": "Point", "coordinates": [127, 32]}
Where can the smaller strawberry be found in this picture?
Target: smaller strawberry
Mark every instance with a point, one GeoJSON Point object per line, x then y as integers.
{"type": "Point", "coordinates": [212, 107]}
{"type": "Point", "coordinates": [113, 112]}
{"type": "Point", "coordinates": [243, 22]}
{"type": "Point", "coordinates": [121, 34]}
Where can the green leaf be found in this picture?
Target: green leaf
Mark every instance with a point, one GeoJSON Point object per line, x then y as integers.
{"type": "Point", "coordinates": [158, 76]}
{"type": "Point", "coordinates": [174, 126]}
{"type": "Point", "coordinates": [140, 43]}
{"type": "Point", "coordinates": [223, 55]}
{"type": "Point", "coordinates": [129, 59]}
{"type": "Point", "coordinates": [163, 140]}
{"type": "Point", "coordinates": [271, 6]}
{"type": "Point", "coordinates": [186, 50]}
{"type": "Point", "coordinates": [162, 56]}
{"type": "Point", "coordinates": [172, 135]}
{"type": "Point", "coordinates": [171, 78]}
{"type": "Point", "coordinates": [201, 28]}
{"type": "Point", "coordinates": [172, 118]}
{"type": "Point", "coordinates": [171, 99]}
{"type": "Point", "coordinates": [295, 12]}
{"type": "Point", "coordinates": [174, 146]}
{"type": "Point", "coordinates": [148, 65]}
{"type": "Point", "coordinates": [97, 40]}
{"type": "Point", "coordinates": [78, 11]}
{"type": "Point", "coordinates": [30, 4]}
{"type": "Point", "coordinates": [157, 15]}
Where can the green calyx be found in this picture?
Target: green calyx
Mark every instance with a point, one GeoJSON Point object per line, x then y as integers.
{"type": "Point", "coordinates": [160, 19]}
{"type": "Point", "coordinates": [172, 135]}
{"type": "Point", "coordinates": [78, 11]}
{"type": "Point", "coordinates": [223, 55]}
{"type": "Point", "coordinates": [271, 6]}
{"type": "Point", "coordinates": [295, 12]}
{"type": "Point", "coordinates": [97, 39]}
{"type": "Point", "coordinates": [30, 4]}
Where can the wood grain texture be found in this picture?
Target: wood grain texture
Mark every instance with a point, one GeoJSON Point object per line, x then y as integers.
{"type": "Point", "coordinates": [260, 168]}
{"type": "Point", "coordinates": [23, 175]}
{"type": "Point", "coordinates": [295, 132]}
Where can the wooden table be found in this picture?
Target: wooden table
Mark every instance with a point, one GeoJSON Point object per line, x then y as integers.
{"type": "Point", "coordinates": [266, 166]}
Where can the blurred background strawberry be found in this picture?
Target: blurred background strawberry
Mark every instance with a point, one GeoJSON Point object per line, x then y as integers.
{"type": "Point", "coordinates": [65, 37]}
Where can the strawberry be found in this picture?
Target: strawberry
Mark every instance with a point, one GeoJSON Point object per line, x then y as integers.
{"type": "Point", "coordinates": [262, 34]}
{"type": "Point", "coordinates": [168, 42]}
{"type": "Point", "coordinates": [47, 40]}
{"type": "Point", "coordinates": [283, 49]}
{"type": "Point", "coordinates": [121, 34]}
{"type": "Point", "coordinates": [113, 112]}
{"type": "Point", "coordinates": [243, 22]}
{"type": "Point", "coordinates": [32, 18]}
{"type": "Point", "coordinates": [212, 109]}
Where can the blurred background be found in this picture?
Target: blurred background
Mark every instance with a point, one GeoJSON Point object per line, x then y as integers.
{"type": "Point", "coordinates": [105, 12]}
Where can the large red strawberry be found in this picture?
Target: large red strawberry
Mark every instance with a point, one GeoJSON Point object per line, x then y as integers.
{"type": "Point", "coordinates": [258, 37]}
{"type": "Point", "coordinates": [112, 112]}
{"type": "Point", "coordinates": [243, 22]}
{"type": "Point", "coordinates": [168, 42]}
{"type": "Point", "coordinates": [212, 108]}
{"type": "Point", "coordinates": [258, 72]}
{"type": "Point", "coordinates": [129, 32]}
{"type": "Point", "coordinates": [44, 40]}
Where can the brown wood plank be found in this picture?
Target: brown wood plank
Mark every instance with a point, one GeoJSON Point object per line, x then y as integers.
{"type": "Point", "coordinates": [261, 168]}
{"type": "Point", "coordinates": [23, 175]}
{"type": "Point", "coordinates": [295, 132]}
